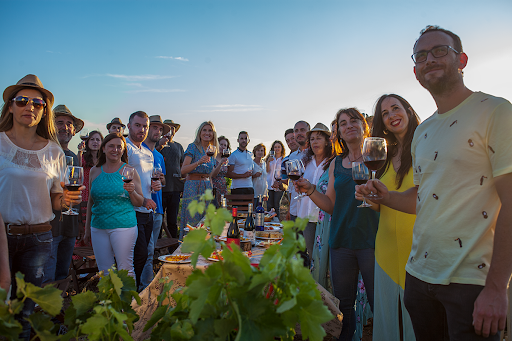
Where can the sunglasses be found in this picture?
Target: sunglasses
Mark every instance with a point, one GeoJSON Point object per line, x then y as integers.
{"type": "Point", "coordinates": [22, 101]}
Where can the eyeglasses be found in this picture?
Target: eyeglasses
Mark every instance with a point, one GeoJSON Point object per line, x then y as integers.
{"type": "Point", "coordinates": [22, 101]}
{"type": "Point", "coordinates": [437, 51]}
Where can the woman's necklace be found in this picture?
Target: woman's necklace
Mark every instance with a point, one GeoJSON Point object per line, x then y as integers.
{"type": "Point", "coordinates": [354, 159]}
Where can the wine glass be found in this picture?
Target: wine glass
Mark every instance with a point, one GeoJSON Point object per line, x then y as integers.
{"type": "Point", "coordinates": [294, 170]}
{"type": "Point", "coordinates": [155, 175]}
{"type": "Point", "coordinates": [69, 161]}
{"type": "Point", "coordinates": [277, 173]}
{"type": "Point", "coordinates": [374, 157]}
{"type": "Point", "coordinates": [360, 174]}
{"type": "Point", "coordinates": [226, 152]}
{"type": "Point", "coordinates": [73, 179]}
{"type": "Point", "coordinates": [272, 154]}
{"type": "Point", "coordinates": [127, 174]}
{"type": "Point", "coordinates": [84, 135]}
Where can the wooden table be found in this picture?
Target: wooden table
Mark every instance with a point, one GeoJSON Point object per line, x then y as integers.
{"type": "Point", "coordinates": [178, 273]}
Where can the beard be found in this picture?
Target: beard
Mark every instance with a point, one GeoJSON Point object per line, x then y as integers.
{"type": "Point", "coordinates": [438, 86]}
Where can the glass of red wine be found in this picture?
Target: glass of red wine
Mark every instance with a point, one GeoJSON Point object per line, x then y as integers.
{"type": "Point", "coordinates": [226, 152]}
{"type": "Point", "coordinates": [73, 179]}
{"type": "Point", "coordinates": [294, 170]}
{"type": "Point", "coordinates": [374, 157]}
{"type": "Point", "coordinates": [84, 136]}
{"type": "Point", "coordinates": [127, 174]}
{"type": "Point", "coordinates": [361, 175]}
{"type": "Point", "coordinates": [155, 175]}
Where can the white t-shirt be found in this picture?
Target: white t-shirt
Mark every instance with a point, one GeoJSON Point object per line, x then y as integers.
{"type": "Point", "coordinates": [27, 177]}
{"type": "Point", "coordinates": [456, 157]}
{"type": "Point", "coordinates": [306, 207]}
{"type": "Point", "coordinates": [298, 154]}
{"type": "Point", "coordinates": [142, 160]}
{"type": "Point", "coordinates": [243, 163]}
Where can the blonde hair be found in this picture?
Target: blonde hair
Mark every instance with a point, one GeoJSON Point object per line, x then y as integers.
{"type": "Point", "coordinates": [45, 128]}
{"type": "Point", "coordinates": [214, 140]}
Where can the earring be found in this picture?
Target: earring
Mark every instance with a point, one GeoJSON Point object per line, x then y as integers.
{"type": "Point", "coordinates": [385, 131]}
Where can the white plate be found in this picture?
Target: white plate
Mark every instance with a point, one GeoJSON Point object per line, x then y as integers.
{"type": "Point", "coordinates": [185, 261]}
{"type": "Point", "coordinates": [213, 259]}
{"type": "Point", "coordinates": [265, 238]}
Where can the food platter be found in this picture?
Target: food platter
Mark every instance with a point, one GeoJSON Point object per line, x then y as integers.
{"type": "Point", "coordinates": [175, 259]}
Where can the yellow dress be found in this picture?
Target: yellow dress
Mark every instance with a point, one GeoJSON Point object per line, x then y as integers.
{"type": "Point", "coordinates": [392, 248]}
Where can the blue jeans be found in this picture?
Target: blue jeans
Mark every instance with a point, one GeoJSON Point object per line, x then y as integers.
{"type": "Point", "coordinates": [57, 267]}
{"type": "Point", "coordinates": [147, 273]}
{"type": "Point", "coordinates": [442, 312]}
{"type": "Point", "coordinates": [140, 251]}
{"type": "Point", "coordinates": [28, 254]}
{"type": "Point", "coordinates": [345, 267]}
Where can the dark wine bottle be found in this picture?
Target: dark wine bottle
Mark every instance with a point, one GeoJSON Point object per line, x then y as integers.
{"type": "Point", "coordinates": [260, 215]}
{"type": "Point", "coordinates": [249, 227]}
{"type": "Point", "coordinates": [233, 235]}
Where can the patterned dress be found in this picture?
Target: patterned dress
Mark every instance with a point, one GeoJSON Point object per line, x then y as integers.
{"type": "Point", "coordinates": [194, 188]}
{"type": "Point", "coordinates": [219, 182]}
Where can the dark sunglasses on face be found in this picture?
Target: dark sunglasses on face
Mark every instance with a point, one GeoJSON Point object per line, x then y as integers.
{"type": "Point", "coordinates": [22, 101]}
{"type": "Point", "coordinates": [437, 51]}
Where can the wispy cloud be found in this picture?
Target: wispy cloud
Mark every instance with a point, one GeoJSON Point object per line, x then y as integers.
{"type": "Point", "coordinates": [155, 90]}
{"type": "Point", "coordinates": [231, 108]}
{"type": "Point", "coordinates": [132, 78]}
{"type": "Point", "coordinates": [53, 52]}
{"type": "Point", "coordinates": [171, 57]}
{"type": "Point", "coordinates": [134, 84]}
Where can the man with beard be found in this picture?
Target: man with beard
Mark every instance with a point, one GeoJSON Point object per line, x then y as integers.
{"type": "Point", "coordinates": [156, 128]}
{"type": "Point", "coordinates": [141, 158]}
{"type": "Point", "coordinates": [65, 228]}
{"type": "Point", "coordinates": [173, 156]}
{"type": "Point", "coordinates": [240, 166]}
{"type": "Point", "coordinates": [461, 261]}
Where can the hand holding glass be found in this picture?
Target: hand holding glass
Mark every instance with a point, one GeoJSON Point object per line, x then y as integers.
{"type": "Point", "coordinates": [294, 170]}
{"type": "Point", "coordinates": [127, 174]}
{"type": "Point", "coordinates": [84, 135]}
{"type": "Point", "coordinates": [374, 157]}
{"type": "Point", "coordinates": [73, 179]}
{"type": "Point", "coordinates": [361, 175]}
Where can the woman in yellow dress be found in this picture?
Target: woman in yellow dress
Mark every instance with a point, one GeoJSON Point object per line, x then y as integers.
{"type": "Point", "coordinates": [395, 120]}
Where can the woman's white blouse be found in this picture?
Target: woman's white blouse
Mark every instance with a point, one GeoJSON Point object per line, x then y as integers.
{"type": "Point", "coordinates": [27, 177]}
{"type": "Point", "coordinates": [306, 207]}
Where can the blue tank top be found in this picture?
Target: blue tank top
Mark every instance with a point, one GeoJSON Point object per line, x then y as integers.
{"type": "Point", "coordinates": [110, 210]}
{"type": "Point", "coordinates": [351, 227]}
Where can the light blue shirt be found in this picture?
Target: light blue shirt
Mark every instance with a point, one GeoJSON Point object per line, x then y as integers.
{"type": "Point", "coordinates": [243, 163]}
{"type": "Point", "coordinates": [158, 161]}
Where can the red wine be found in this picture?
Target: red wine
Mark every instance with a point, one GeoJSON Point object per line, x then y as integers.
{"type": "Point", "coordinates": [360, 182]}
{"type": "Point", "coordinates": [225, 154]}
{"type": "Point", "coordinates": [155, 179]}
{"type": "Point", "coordinates": [84, 138]}
{"type": "Point", "coordinates": [294, 177]}
{"type": "Point", "coordinates": [233, 235]}
{"type": "Point", "coordinates": [127, 180]}
{"type": "Point", "coordinates": [210, 154]}
{"type": "Point", "coordinates": [375, 164]}
{"type": "Point", "coordinates": [72, 187]}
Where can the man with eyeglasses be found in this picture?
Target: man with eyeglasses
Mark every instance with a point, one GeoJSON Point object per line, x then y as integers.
{"type": "Point", "coordinates": [461, 260]}
{"type": "Point", "coordinates": [65, 228]}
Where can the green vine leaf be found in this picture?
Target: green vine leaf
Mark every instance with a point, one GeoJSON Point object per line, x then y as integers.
{"type": "Point", "coordinates": [42, 325]}
{"type": "Point", "coordinates": [48, 298]}
{"type": "Point", "coordinates": [83, 302]}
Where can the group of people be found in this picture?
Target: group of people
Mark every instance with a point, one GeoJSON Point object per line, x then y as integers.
{"type": "Point", "coordinates": [432, 251]}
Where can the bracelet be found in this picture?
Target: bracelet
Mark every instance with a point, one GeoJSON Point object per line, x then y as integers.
{"type": "Point", "coordinates": [314, 188]}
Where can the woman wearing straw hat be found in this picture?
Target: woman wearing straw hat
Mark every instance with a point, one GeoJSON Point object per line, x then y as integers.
{"type": "Point", "coordinates": [30, 181]}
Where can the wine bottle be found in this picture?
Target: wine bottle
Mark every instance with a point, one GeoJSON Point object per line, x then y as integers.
{"type": "Point", "coordinates": [233, 235]}
{"type": "Point", "coordinates": [260, 215]}
{"type": "Point", "coordinates": [249, 227]}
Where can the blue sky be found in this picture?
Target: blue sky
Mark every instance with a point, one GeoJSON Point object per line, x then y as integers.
{"type": "Point", "coordinates": [246, 65]}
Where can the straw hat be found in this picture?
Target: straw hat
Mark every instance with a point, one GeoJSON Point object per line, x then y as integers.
{"type": "Point", "coordinates": [116, 120]}
{"type": "Point", "coordinates": [29, 81]}
{"type": "Point", "coordinates": [62, 110]}
{"type": "Point", "coordinates": [172, 124]}
{"type": "Point", "coordinates": [156, 119]}
{"type": "Point", "coordinates": [319, 127]}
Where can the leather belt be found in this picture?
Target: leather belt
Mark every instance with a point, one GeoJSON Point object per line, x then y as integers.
{"type": "Point", "coordinates": [13, 229]}
{"type": "Point", "coordinates": [196, 176]}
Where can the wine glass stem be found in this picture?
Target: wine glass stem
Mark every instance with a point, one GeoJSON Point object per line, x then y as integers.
{"type": "Point", "coordinates": [373, 174]}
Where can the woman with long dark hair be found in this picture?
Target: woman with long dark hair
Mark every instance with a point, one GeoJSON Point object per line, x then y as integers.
{"type": "Point", "coordinates": [353, 230]}
{"type": "Point", "coordinates": [32, 167]}
{"type": "Point", "coordinates": [396, 121]}
{"type": "Point", "coordinates": [274, 165]}
{"type": "Point", "coordinates": [111, 221]}
{"type": "Point", "coordinates": [220, 170]}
